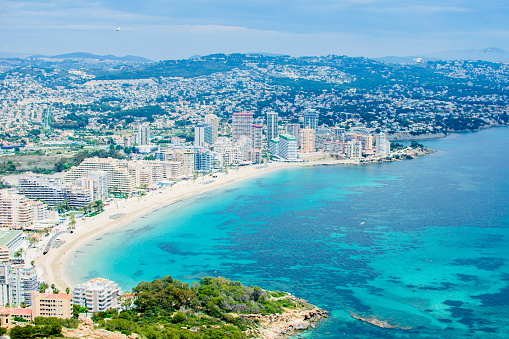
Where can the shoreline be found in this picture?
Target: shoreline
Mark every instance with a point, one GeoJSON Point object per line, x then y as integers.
{"type": "Point", "coordinates": [54, 263]}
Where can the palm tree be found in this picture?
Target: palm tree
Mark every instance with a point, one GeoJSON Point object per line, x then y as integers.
{"type": "Point", "coordinates": [43, 287]}
{"type": "Point", "coordinates": [72, 222]}
{"type": "Point", "coordinates": [99, 205]}
{"type": "Point", "coordinates": [32, 240]}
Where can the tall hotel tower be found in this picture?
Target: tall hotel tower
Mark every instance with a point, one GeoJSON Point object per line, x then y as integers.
{"type": "Point", "coordinates": [272, 131]}
{"type": "Point", "coordinates": [242, 125]}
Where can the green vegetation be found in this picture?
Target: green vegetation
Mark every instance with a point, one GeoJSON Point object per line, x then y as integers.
{"type": "Point", "coordinates": [66, 163]}
{"type": "Point", "coordinates": [210, 308]}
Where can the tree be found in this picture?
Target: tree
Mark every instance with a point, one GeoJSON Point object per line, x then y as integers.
{"type": "Point", "coordinates": [23, 304]}
{"type": "Point", "coordinates": [72, 221]}
{"type": "Point", "coordinates": [32, 240]}
{"type": "Point", "coordinates": [67, 290]}
{"type": "Point", "coordinates": [75, 311]}
{"type": "Point", "coordinates": [99, 205]}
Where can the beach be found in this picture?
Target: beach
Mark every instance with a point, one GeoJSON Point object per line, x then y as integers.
{"type": "Point", "coordinates": [121, 212]}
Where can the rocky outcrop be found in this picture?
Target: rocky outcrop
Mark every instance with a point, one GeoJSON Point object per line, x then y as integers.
{"type": "Point", "coordinates": [285, 324]}
{"type": "Point", "coordinates": [86, 330]}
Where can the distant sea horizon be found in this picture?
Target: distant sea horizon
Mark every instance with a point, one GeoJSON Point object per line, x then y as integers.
{"type": "Point", "coordinates": [421, 243]}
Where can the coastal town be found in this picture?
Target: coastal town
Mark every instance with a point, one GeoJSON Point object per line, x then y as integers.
{"type": "Point", "coordinates": [85, 152]}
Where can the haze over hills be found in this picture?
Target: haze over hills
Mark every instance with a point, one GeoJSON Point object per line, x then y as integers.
{"type": "Point", "coordinates": [77, 55]}
{"type": "Point", "coordinates": [491, 54]}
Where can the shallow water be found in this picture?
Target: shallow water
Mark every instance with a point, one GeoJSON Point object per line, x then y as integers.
{"type": "Point", "coordinates": [422, 243]}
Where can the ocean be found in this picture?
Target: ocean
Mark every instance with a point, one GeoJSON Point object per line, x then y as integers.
{"type": "Point", "coordinates": [422, 243]}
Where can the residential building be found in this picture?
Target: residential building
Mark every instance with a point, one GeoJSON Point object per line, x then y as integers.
{"type": "Point", "coordinates": [272, 126]}
{"type": "Point", "coordinates": [294, 129]}
{"type": "Point", "coordinates": [143, 135]}
{"type": "Point", "coordinates": [202, 160]}
{"type": "Point", "coordinates": [17, 211]}
{"type": "Point", "coordinates": [96, 294]}
{"type": "Point", "coordinates": [257, 136]}
{"type": "Point", "coordinates": [7, 315]}
{"type": "Point", "coordinates": [118, 175]}
{"type": "Point", "coordinates": [213, 120]}
{"type": "Point", "coordinates": [97, 183]}
{"type": "Point", "coordinates": [254, 155]}
{"type": "Point", "coordinates": [51, 305]}
{"type": "Point", "coordinates": [382, 145]}
{"type": "Point", "coordinates": [203, 135]}
{"type": "Point", "coordinates": [287, 147]}
{"type": "Point", "coordinates": [274, 146]}
{"type": "Point", "coordinates": [242, 125]}
{"type": "Point", "coordinates": [182, 155]}
{"type": "Point", "coordinates": [307, 140]}
{"type": "Point", "coordinates": [353, 150]}
{"type": "Point", "coordinates": [23, 283]}
{"type": "Point", "coordinates": [52, 191]}
{"type": "Point", "coordinates": [311, 119]}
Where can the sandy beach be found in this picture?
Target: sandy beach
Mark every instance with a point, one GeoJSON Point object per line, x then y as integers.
{"type": "Point", "coordinates": [53, 264]}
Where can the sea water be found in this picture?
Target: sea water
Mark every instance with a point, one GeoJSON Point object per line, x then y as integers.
{"type": "Point", "coordinates": [422, 243]}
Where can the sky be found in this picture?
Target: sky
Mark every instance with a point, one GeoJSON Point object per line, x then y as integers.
{"type": "Point", "coordinates": [177, 29]}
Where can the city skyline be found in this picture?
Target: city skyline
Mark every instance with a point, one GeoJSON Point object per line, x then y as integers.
{"type": "Point", "coordinates": [158, 30]}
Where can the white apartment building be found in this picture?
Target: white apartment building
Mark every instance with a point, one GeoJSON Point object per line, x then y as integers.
{"type": "Point", "coordinates": [287, 147]}
{"type": "Point", "coordinates": [353, 150]}
{"type": "Point", "coordinates": [213, 120]}
{"type": "Point", "coordinates": [96, 294]}
{"type": "Point", "coordinates": [382, 145]}
{"type": "Point", "coordinates": [118, 174]}
{"type": "Point", "coordinates": [242, 125]}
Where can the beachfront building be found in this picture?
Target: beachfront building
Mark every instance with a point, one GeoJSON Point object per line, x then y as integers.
{"type": "Point", "coordinates": [242, 125]}
{"type": "Point", "coordinates": [17, 211]}
{"type": "Point", "coordinates": [202, 160]}
{"type": "Point", "coordinates": [213, 120]}
{"type": "Point", "coordinates": [148, 172]}
{"type": "Point", "coordinates": [17, 282]}
{"type": "Point", "coordinates": [38, 187]}
{"type": "Point", "coordinates": [23, 282]}
{"type": "Point", "coordinates": [339, 134]}
{"type": "Point", "coordinates": [12, 239]}
{"type": "Point", "coordinates": [307, 140]}
{"type": "Point", "coordinates": [353, 149]}
{"type": "Point", "coordinates": [274, 146]}
{"type": "Point", "coordinates": [96, 182]}
{"type": "Point", "coordinates": [51, 305]}
{"type": "Point", "coordinates": [382, 145]}
{"type": "Point", "coordinates": [254, 155]}
{"type": "Point", "coordinates": [294, 129]}
{"type": "Point", "coordinates": [272, 126]}
{"type": "Point", "coordinates": [203, 135]}
{"type": "Point", "coordinates": [287, 147]}
{"type": "Point", "coordinates": [97, 295]}
{"type": "Point", "coordinates": [119, 179]}
{"type": "Point", "coordinates": [182, 155]}
{"type": "Point", "coordinates": [257, 136]}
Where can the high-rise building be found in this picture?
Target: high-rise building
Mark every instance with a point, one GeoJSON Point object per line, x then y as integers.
{"type": "Point", "coordinates": [272, 127]}
{"type": "Point", "coordinates": [118, 175]}
{"type": "Point", "coordinates": [202, 160]}
{"type": "Point", "coordinates": [287, 147]}
{"type": "Point", "coordinates": [52, 192]}
{"type": "Point", "coordinates": [274, 146]}
{"type": "Point", "coordinates": [96, 295]}
{"type": "Point", "coordinates": [294, 129]}
{"type": "Point", "coordinates": [97, 183]}
{"type": "Point", "coordinates": [143, 136]}
{"type": "Point", "coordinates": [257, 136]}
{"type": "Point", "coordinates": [353, 149]}
{"type": "Point", "coordinates": [307, 143]}
{"type": "Point", "coordinates": [382, 145]}
{"type": "Point", "coordinates": [213, 120]}
{"type": "Point", "coordinates": [311, 119]}
{"type": "Point", "coordinates": [203, 135]}
{"type": "Point", "coordinates": [242, 125]}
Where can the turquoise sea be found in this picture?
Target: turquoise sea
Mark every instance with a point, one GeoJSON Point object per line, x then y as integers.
{"type": "Point", "coordinates": [423, 243]}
